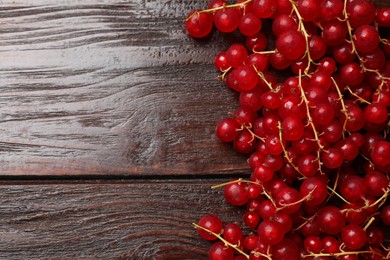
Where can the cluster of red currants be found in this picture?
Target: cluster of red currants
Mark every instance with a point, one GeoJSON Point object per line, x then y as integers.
{"type": "Point", "coordinates": [318, 141]}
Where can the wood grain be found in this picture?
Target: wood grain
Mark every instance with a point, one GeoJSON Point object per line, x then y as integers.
{"type": "Point", "coordinates": [103, 87]}
{"type": "Point", "coordinates": [133, 220]}
{"type": "Point", "coordinates": [109, 87]}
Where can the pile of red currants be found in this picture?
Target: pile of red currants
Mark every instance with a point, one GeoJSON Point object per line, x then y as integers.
{"type": "Point", "coordinates": [317, 141]}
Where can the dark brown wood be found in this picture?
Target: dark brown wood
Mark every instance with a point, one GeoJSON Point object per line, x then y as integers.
{"type": "Point", "coordinates": [114, 88]}
{"type": "Point", "coordinates": [150, 220]}
{"type": "Point", "coordinates": [106, 87]}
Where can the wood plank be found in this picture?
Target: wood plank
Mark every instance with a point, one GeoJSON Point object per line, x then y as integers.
{"type": "Point", "coordinates": [134, 220]}
{"type": "Point", "coordinates": [109, 87]}
{"type": "Point", "coordinates": [102, 87]}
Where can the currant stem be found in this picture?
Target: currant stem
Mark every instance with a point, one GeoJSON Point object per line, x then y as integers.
{"type": "Point", "coordinates": [261, 75]}
{"type": "Point", "coordinates": [234, 181]}
{"type": "Point", "coordinates": [344, 109]}
{"type": "Point", "coordinates": [222, 239]}
{"type": "Point", "coordinates": [219, 8]}
{"type": "Point", "coordinates": [338, 195]}
{"type": "Point", "coordinates": [285, 151]}
{"type": "Point", "coordinates": [265, 193]}
{"type": "Point", "coordinates": [265, 52]}
{"type": "Point", "coordinates": [340, 254]}
{"type": "Point", "coordinates": [298, 201]}
{"type": "Point", "coordinates": [354, 50]}
{"type": "Point", "coordinates": [310, 120]}
{"type": "Point", "coordinates": [368, 223]}
{"type": "Point", "coordinates": [261, 254]}
{"type": "Point", "coordinates": [357, 96]}
{"type": "Point", "coordinates": [302, 28]}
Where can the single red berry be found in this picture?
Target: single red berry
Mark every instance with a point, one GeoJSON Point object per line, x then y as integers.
{"type": "Point", "coordinates": [353, 236]}
{"type": "Point", "coordinates": [256, 42]}
{"type": "Point", "coordinates": [376, 113]}
{"type": "Point", "coordinates": [251, 219]}
{"type": "Point", "coordinates": [232, 233]}
{"type": "Point", "coordinates": [315, 189]}
{"type": "Point", "coordinates": [330, 220]}
{"type": "Point", "coordinates": [353, 188]}
{"type": "Point", "coordinates": [210, 222]}
{"type": "Point", "coordinates": [383, 17]}
{"type": "Point", "coordinates": [380, 153]}
{"type": "Point", "coordinates": [236, 55]}
{"type": "Point", "coordinates": [249, 24]}
{"type": "Point", "coordinates": [286, 250]}
{"type": "Point", "coordinates": [291, 44]}
{"type": "Point", "coordinates": [235, 193]}
{"type": "Point", "coordinates": [199, 24]}
{"type": "Point", "coordinates": [366, 38]}
{"type": "Point", "coordinates": [330, 245]}
{"type": "Point", "coordinates": [308, 9]}
{"type": "Point", "coordinates": [220, 251]}
{"type": "Point", "coordinates": [264, 8]}
{"type": "Point", "coordinates": [227, 129]}
{"type": "Point", "coordinates": [331, 9]}
{"type": "Point", "coordinates": [313, 244]}
{"type": "Point", "coordinates": [292, 128]}
{"type": "Point", "coordinates": [283, 23]}
{"type": "Point", "coordinates": [385, 215]}
{"type": "Point", "coordinates": [360, 12]}
{"type": "Point", "coordinates": [226, 20]}
{"type": "Point", "coordinates": [270, 232]}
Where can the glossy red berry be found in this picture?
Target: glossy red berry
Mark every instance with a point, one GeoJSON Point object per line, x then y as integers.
{"type": "Point", "coordinates": [270, 232]}
{"type": "Point", "coordinates": [235, 193]}
{"type": "Point", "coordinates": [331, 220]}
{"type": "Point", "coordinates": [291, 44]}
{"type": "Point", "coordinates": [249, 24]}
{"type": "Point", "coordinates": [226, 20]}
{"type": "Point", "coordinates": [210, 222]}
{"type": "Point", "coordinates": [220, 251]}
{"type": "Point", "coordinates": [227, 129]}
{"type": "Point", "coordinates": [366, 38]}
{"type": "Point", "coordinates": [199, 24]}
{"type": "Point", "coordinates": [353, 236]}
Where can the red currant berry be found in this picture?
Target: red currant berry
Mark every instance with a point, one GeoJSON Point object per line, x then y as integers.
{"type": "Point", "coordinates": [210, 222]}
{"type": "Point", "coordinates": [353, 188]}
{"type": "Point", "coordinates": [220, 251]}
{"type": "Point", "coordinates": [360, 12]}
{"type": "Point", "coordinates": [330, 220]}
{"type": "Point", "coordinates": [270, 232]}
{"type": "Point", "coordinates": [291, 44]}
{"type": "Point", "coordinates": [232, 233]}
{"type": "Point", "coordinates": [199, 24]}
{"type": "Point", "coordinates": [227, 129]}
{"type": "Point", "coordinates": [308, 9]}
{"type": "Point", "coordinates": [366, 38]}
{"type": "Point", "coordinates": [249, 24]}
{"type": "Point", "coordinates": [235, 193]}
{"type": "Point", "coordinates": [264, 8]}
{"type": "Point", "coordinates": [317, 188]}
{"type": "Point", "coordinates": [331, 9]}
{"type": "Point", "coordinates": [376, 113]}
{"type": "Point", "coordinates": [353, 236]}
{"type": "Point", "coordinates": [226, 20]}
{"type": "Point", "coordinates": [292, 128]}
{"type": "Point", "coordinates": [380, 153]}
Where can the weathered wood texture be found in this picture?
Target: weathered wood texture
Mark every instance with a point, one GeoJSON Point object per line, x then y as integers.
{"type": "Point", "coordinates": [149, 220]}
{"type": "Point", "coordinates": [103, 88]}
{"type": "Point", "coordinates": [109, 87]}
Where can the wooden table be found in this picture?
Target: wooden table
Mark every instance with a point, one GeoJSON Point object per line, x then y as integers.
{"type": "Point", "coordinates": [107, 118]}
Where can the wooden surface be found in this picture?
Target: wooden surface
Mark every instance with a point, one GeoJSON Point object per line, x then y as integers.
{"type": "Point", "coordinates": [108, 88]}
{"type": "Point", "coordinates": [128, 220]}
{"type": "Point", "coordinates": [107, 118]}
